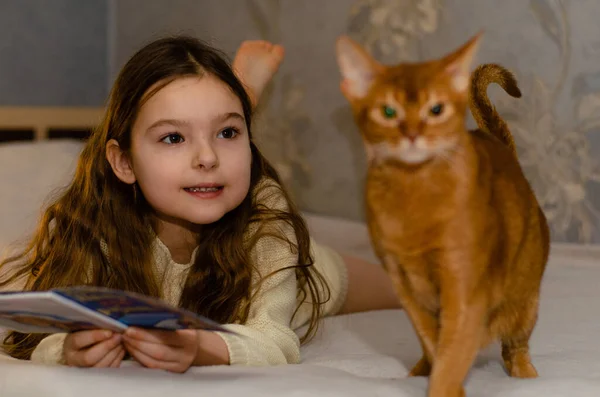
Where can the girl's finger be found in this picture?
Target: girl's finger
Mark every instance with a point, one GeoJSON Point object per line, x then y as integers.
{"type": "Point", "coordinates": [82, 339]}
{"type": "Point", "coordinates": [156, 351]}
{"type": "Point", "coordinates": [171, 338]}
{"type": "Point", "coordinates": [143, 358]}
{"type": "Point", "coordinates": [150, 362]}
{"type": "Point", "coordinates": [107, 360]}
{"type": "Point", "coordinates": [117, 362]}
{"type": "Point", "coordinates": [93, 355]}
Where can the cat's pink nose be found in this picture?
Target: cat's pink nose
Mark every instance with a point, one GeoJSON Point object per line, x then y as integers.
{"type": "Point", "coordinates": [412, 136]}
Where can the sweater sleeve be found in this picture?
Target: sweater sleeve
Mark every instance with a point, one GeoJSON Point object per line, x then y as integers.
{"type": "Point", "coordinates": [266, 338]}
{"type": "Point", "coordinates": [50, 350]}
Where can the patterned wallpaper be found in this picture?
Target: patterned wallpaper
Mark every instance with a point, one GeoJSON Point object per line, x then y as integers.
{"type": "Point", "coordinates": [553, 47]}
{"type": "Point", "coordinates": [305, 126]}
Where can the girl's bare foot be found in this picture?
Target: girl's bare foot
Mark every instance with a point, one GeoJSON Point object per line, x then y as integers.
{"type": "Point", "coordinates": [255, 64]}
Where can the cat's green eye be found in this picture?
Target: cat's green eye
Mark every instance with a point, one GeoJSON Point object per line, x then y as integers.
{"type": "Point", "coordinates": [436, 109]}
{"type": "Point", "coordinates": [388, 112]}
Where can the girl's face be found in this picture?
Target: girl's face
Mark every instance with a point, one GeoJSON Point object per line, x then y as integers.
{"type": "Point", "coordinates": [190, 152]}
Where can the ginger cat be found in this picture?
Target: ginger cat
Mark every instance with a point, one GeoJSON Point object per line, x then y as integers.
{"type": "Point", "coordinates": [450, 213]}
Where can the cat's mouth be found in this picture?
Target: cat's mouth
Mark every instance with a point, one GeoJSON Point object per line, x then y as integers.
{"type": "Point", "coordinates": [407, 151]}
{"type": "Point", "coordinates": [414, 156]}
{"type": "Point", "coordinates": [421, 151]}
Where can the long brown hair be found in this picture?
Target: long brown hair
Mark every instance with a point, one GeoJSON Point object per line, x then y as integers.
{"type": "Point", "coordinates": [66, 248]}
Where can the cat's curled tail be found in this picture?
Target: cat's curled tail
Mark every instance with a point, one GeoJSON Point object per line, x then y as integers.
{"type": "Point", "coordinates": [484, 113]}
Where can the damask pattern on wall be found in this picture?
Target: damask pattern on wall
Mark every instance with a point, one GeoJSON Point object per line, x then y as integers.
{"type": "Point", "coordinates": [284, 119]}
{"type": "Point", "coordinates": [556, 123]}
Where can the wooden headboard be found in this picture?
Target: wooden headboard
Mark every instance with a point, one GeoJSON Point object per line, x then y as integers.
{"type": "Point", "coordinates": [40, 122]}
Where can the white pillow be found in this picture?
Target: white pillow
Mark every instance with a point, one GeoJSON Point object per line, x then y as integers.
{"type": "Point", "coordinates": [29, 173]}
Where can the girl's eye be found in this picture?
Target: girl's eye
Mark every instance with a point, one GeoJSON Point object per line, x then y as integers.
{"type": "Point", "coordinates": [388, 112]}
{"type": "Point", "coordinates": [172, 139]}
{"type": "Point", "coordinates": [228, 133]}
{"type": "Point", "coordinates": [436, 109]}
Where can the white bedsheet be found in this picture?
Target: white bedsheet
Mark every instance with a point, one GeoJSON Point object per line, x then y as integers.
{"type": "Point", "coordinates": [365, 354]}
{"type": "Point", "coordinates": [368, 354]}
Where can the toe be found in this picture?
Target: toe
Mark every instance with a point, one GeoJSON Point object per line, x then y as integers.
{"type": "Point", "coordinates": [278, 50]}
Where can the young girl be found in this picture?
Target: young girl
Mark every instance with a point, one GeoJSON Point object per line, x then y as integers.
{"type": "Point", "coordinates": [171, 198]}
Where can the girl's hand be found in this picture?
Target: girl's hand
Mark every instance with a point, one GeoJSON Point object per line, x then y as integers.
{"type": "Point", "coordinates": [173, 351]}
{"type": "Point", "coordinates": [94, 348]}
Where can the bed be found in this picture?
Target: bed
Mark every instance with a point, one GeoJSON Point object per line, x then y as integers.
{"type": "Point", "coordinates": [365, 354]}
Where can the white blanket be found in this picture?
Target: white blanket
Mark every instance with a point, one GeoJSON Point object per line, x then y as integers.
{"type": "Point", "coordinates": [368, 354]}
{"type": "Point", "coordinates": [365, 354]}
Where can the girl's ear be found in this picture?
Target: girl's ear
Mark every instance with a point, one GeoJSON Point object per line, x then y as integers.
{"type": "Point", "coordinates": [120, 162]}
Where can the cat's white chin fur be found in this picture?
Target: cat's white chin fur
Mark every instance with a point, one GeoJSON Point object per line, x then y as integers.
{"type": "Point", "coordinates": [413, 153]}
{"type": "Point", "coordinates": [415, 156]}
{"type": "Point", "coordinates": [405, 152]}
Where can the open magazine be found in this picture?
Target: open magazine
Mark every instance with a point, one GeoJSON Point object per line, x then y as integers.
{"type": "Point", "coordinates": [83, 307]}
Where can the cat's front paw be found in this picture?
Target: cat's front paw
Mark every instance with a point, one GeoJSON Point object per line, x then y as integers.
{"type": "Point", "coordinates": [421, 368]}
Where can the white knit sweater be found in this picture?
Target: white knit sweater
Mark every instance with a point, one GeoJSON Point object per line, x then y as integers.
{"type": "Point", "coordinates": [268, 336]}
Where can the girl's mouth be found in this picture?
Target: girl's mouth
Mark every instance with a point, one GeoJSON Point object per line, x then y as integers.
{"type": "Point", "coordinates": [211, 189]}
{"type": "Point", "coordinates": [205, 192]}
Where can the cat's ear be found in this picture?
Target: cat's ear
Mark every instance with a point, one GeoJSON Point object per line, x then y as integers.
{"type": "Point", "coordinates": [357, 67]}
{"type": "Point", "coordinates": [458, 64]}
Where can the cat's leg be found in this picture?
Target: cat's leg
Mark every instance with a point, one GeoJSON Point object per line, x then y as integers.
{"type": "Point", "coordinates": [462, 329]}
{"type": "Point", "coordinates": [421, 368]}
{"type": "Point", "coordinates": [522, 314]}
{"type": "Point", "coordinates": [255, 64]}
{"type": "Point", "coordinates": [515, 346]}
{"type": "Point", "coordinates": [426, 327]}
{"type": "Point", "coordinates": [423, 321]}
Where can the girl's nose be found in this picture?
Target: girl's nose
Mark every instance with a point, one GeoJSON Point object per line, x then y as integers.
{"type": "Point", "coordinates": [206, 157]}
